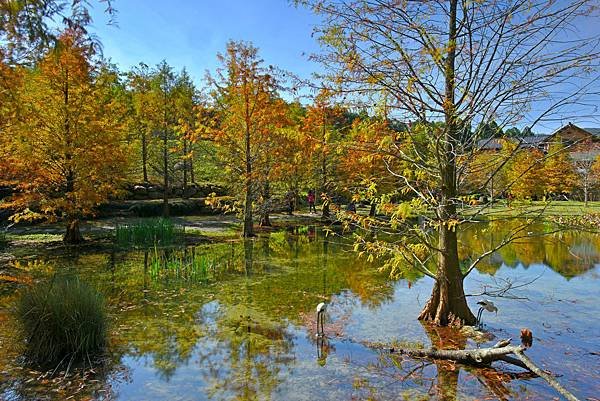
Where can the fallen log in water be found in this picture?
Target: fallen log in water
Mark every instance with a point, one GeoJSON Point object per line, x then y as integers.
{"type": "Point", "coordinates": [485, 356]}
{"type": "Point", "coordinates": [551, 380]}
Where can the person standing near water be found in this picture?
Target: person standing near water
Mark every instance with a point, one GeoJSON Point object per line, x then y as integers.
{"type": "Point", "coordinates": [311, 201]}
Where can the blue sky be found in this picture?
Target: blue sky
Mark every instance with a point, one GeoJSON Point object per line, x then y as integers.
{"type": "Point", "coordinates": [189, 33]}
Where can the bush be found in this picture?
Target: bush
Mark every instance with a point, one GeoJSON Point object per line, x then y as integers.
{"type": "Point", "coordinates": [148, 232]}
{"type": "Point", "coordinates": [62, 321]}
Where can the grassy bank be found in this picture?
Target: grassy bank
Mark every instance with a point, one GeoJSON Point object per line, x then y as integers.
{"type": "Point", "coordinates": [502, 209]}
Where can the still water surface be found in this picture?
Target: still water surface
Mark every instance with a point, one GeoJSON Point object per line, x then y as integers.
{"type": "Point", "coordinates": [236, 320]}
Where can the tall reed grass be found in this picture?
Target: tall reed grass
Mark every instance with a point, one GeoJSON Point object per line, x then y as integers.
{"type": "Point", "coordinates": [63, 320]}
{"type": "Point", "coordinates": [148, 232]}
{"type": "Point", "coordinates": [182, 265]}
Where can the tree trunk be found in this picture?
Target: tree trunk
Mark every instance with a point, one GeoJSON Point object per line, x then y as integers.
{"type": "Point", "coordinates": [448, 304]}
{"type": "Point", "coordinates": [73, 234]}
{"type": "Point", "coordinates": [326, 215]}
{"type": "Point", "coordinates": [248, 224]}
{"type": "Point", "coordinates": [165, 175]}
{"type": "Point", "coordinates": [144, 157]}
{"type": "Point", "coordinates": [192, 178]}
{"type": "Point", "coordinates": [373, 209]}
{"type": "Point", "coordinates": [264, 218]}
{"type": "Point", "coordinates": [185, 165]}
{"type": "Point", "coordinates": [265, 221]}
{"type": "Point", "coordinates": [165, 150]}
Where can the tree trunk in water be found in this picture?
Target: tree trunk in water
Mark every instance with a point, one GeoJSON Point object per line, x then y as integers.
{"type": "Point", "coordinates": [448, 304]}
{"type": "Point", "coordinates": [248, 225]}
{"type": "Point", "coordinates": [326, 213]}
{"type": "Point", "coordinates": [264, 218]}
{"type": "Point", "coordinates": [73, 234]}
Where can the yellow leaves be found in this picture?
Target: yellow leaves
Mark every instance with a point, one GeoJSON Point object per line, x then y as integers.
{"type": "Point", "coordinates": [386, 142]}
{"type": "Point", "coordinates": [418, 250]}
{"type": "Point", "coordinates": [18, 280]}
{"type": "Point", "coordinates": [451, 224]}
{"type": "Point", "coordinates": [352, 60]}
{"type": "Point", "coordinates": [403, 211]}
{"type": "Point", "coordinates": [375, 79]}
{"type": "Point", "coordinates": [26, 215]}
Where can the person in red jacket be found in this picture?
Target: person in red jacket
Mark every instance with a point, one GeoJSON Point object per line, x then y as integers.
{"type": "Point", "coordinates": [311, 201]}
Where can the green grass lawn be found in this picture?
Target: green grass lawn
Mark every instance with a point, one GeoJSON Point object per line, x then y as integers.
{"type": "Point", "coordinates": [501, 209]}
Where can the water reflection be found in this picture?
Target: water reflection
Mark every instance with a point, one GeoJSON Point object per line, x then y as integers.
{"type": "Point", "coordinates": [236, 320]}
{"type": "Point", "coordinates": [569, 253]}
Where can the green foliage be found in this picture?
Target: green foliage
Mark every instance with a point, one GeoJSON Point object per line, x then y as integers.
{"type": "Point", "coordinates": [62, 321]}
{"type": "Point", "coordinates": [491, 129]}
{"type": "Point", "coordinates": [187, 266]}
{"type": "Point", "coordinates": [3, 239]}
{"type": "Point", "coordinates": [148, 232]}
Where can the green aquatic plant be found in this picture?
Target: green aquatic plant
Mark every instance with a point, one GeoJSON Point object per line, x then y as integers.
{"type": "Point", "coordinates": [62, 321]}
{"type": "Point", "coordinates": [182, 265]}
{"type": "Point", "coordinates": [148, 232]}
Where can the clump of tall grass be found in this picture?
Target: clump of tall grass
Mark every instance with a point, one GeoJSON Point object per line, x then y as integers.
{"type": "Point", "coordinates": [63, 321]}
{"type": "Point", "coordinates": [182, 266]}
{"type": "Point", "coordinates": [148, 232]}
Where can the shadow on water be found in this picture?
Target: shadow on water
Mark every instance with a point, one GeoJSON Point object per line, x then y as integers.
{"type": "Point", "coordinates": [236, 320]}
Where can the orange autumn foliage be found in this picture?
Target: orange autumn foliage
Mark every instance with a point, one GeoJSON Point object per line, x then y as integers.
{"type": "Point", "coordinates": [248, 112]}
{"type": "Point", "coordinates": [68, 144]}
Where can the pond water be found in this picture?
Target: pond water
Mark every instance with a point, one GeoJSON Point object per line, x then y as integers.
{"type": "Point", "coordinates": [235, 320]}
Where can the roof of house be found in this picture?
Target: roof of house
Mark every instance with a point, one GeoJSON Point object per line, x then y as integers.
{"type": "Point", "coordinates": [489, 144]}
{"type": "Point", "coordinates": [593, 131]}
{"type": "Point", "coordinates": [530, 141]}
{"type": "Point", "coordinates": [496, 144]}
